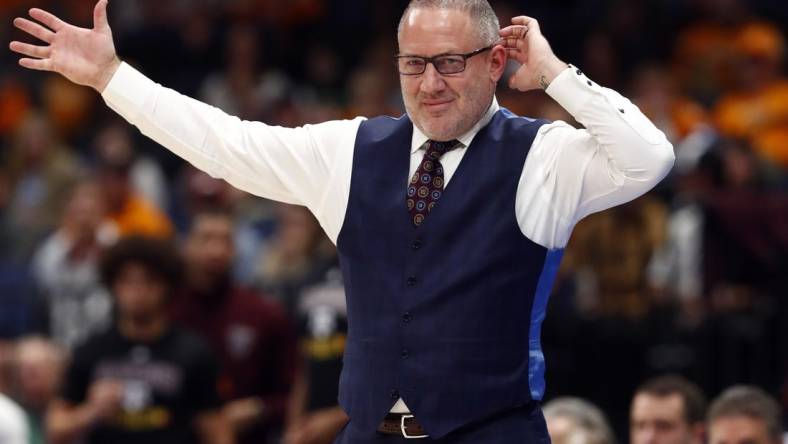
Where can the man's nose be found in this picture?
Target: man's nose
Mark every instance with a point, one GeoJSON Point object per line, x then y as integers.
{"type": "Point", "coordinates": [432, 81]}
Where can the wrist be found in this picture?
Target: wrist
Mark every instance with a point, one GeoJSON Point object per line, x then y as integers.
{"type": "Point", "coordinates": [106, 74]}
{"type": "Point", "coordinates": [549, 70]}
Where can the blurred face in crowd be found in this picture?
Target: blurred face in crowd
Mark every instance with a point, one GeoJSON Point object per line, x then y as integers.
{"type": "Point", "coordinates": [209, 247]}
{"type": "Point", "coordinates": [39, 367]}
{"type": "Point", "coordinates": [140, 295]}
{"type": "Point", "coordinates": [84, 211]}
{"type": "Point", "coordinates": [116, 187]}
{"type": "Point", "coordinates": [739, 430]}
{"type": "Point", "coordinates": [444, 107]}
{"type": "Point", "coordinates": [299, 233]}
{"type": "Point", "coordinates": [563, 430]}
{"type": "Point", "coordinates": [661, 420]}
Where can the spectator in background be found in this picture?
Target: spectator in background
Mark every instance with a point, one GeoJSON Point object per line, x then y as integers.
{"type": "Point", "coordinates": [66, 268]}
{"type": "Point", "coordinates": [300, 254]}
{"type": "Point", "coordinates": [314, 415]}
{"type": "Point", "coordinates": [756, 108]}
{"type": "Point", "coordinates": [38, 373]}
{"type": "Point", "coordinates": [40, 171]}
{"type": "Point", "coordinates": [744, 415]}
{"type": "Point", "coordinates": [667, 410]}
{"type": "Point", "coordinates": [143, 380]}
{"type": "Point", "coordinates": [129, 211]}
{"type": "Point", "coordinates": [13, 426]}
{"type": "Point", "coordinates": [242, 89]}
{"type": "Point", "coordinates": [576, 421]}
{"type": "Point", "coordinates": [250, 334]}
{"type": "Point", "coordinates": [115, 142]}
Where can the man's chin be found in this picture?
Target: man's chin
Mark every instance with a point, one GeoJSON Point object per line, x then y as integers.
{"type": "Point", "coordinates": [440, 130]}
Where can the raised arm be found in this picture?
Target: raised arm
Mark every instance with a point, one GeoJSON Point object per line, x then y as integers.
{"type": "Point", "coordinates": [307, 166]}
{"type": "Point", "coordinates": [571, 173]}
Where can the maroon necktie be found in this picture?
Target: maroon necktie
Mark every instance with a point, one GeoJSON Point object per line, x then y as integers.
{"type": "Point", "coordinates": [426, 186]}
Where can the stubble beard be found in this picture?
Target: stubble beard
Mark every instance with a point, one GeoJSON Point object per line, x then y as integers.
{"type": "Point", "coordinates": [455, 127]}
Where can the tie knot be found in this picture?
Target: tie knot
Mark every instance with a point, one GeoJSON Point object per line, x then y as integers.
{"type": "Point", "coordinates": [437, 149]}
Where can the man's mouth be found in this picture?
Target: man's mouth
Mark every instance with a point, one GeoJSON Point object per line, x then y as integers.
{"type": "Point", "coordinates": [437, 104]}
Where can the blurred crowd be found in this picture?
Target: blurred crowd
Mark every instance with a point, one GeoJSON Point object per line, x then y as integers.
{"type": "Point", "coordinates": [142, 300]}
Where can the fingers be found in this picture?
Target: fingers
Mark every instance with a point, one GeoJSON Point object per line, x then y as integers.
{"type": "Point", "coordinates": [36, 64]}
{"type": "Point", "coordinates": [515, 31]}
{"type": "Point", "coordinates": [525, 20]}
{"type": "Point", "coordinates": [40, 52]}
{"type": "Point", "coordinates": [34, 29]}
{"type": "Point", "coordinates": [48, 19]}
{"type": "Point", "coordinates": [100, 15]}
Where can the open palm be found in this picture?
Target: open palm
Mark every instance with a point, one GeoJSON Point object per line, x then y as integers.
{"type": "Point", "coordinates": [84, 56]}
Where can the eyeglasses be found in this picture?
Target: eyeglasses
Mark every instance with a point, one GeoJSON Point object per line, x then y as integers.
{"type": "Point", "coordinates": [444, 63]}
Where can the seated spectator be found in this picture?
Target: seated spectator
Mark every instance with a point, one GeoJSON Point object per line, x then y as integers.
{"type": "Point", "coordinates": [314, 415]}
{"type": "Point", "coordinates": [38, 373]}
{"type": "Point", "coordinates": [667, 410]}
{"type": "Point", "coordinates": [744, 415]}
{"type": "Point", "coordinates": [299, 254]}
{"type": "Point", "coordinates": [66, 268]}
{"type": "Point", "coordinates": [39, 170]}
{"type": "Point", "coordinates": [576, 421]}
{"type": "Point", "coordinates": [128, 210]}
{"type": "Point", "coordinates": [114, 141]}
{"type": "Point", "coordinates": [757, 108]}
{"type": "Point", "coordinates": [13, 426]}
{"type": "Point", "coordinates": [143, 380]}
{"type": "Point", "coordinates": [251, 335]}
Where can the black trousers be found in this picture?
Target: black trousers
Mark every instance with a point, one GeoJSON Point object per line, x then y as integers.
{"type": "Point", "coordinates": [524, 425]}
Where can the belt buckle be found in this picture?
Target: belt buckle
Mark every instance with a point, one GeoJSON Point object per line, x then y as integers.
{"type": "Point", "coordinates": [404, 432]}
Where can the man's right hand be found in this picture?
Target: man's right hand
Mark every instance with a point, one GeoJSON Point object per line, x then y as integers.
{"type": "Point", "coordinates": [84, 56]}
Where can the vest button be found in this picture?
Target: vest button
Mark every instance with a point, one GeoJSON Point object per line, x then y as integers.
{"type": "Point", "coordinates": [407, 317]}
{"type": "Point", "coordinates": [417, 244]}
{"type": "Point", "coordinates": [412, 281]}
{"type": "Point", "coordinates": [405, 354]}
{"type": "Point", "coordinates": [394, 394]}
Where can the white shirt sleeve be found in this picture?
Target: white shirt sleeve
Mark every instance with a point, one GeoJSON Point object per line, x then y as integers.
{"type": "Point", "coordinates": [570, 173]}
{"type": "Point", "coordinates": [309, 165]}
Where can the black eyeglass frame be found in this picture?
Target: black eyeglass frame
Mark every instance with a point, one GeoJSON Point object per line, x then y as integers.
{"type": "Point", "coordinates": [433, 59]}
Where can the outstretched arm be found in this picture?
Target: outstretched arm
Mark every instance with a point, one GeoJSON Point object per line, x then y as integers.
{"type": "Point", "coordinates": [307, 166]}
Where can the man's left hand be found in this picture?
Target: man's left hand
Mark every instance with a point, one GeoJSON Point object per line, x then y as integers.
{"type": "Point", "coordinates": [525, 43]}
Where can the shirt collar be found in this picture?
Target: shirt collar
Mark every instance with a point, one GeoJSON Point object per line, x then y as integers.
{"type": "Point", "coordinates": [419, 139]}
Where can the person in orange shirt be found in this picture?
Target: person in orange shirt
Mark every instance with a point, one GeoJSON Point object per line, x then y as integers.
{"type": "Point", "coordinates": [129, 211]}
{"type": "Point", "coordinates": [757, 110]}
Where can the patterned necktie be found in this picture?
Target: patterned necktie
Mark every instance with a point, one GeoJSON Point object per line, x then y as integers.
{"type": "Point", "coordinates": [426, 186]}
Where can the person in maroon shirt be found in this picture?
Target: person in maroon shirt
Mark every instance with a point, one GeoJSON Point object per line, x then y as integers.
{"type": "Point", "coordinates": [250, 334]}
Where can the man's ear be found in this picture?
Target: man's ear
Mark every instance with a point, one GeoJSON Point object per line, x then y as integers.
{"type": "Point", "coordinates": [498, 58]}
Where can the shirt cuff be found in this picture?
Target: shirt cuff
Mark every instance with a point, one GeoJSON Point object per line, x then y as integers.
{"type": "Point", "coordinates": [127, 91]}
{"type": "Point", "coordinates": [572, 90]}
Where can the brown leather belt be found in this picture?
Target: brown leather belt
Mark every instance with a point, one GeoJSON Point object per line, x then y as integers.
{"type": "Point", "coordinates": [403, 425]}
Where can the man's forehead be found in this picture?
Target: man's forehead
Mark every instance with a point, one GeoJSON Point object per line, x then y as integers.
{"type": "Point", "coordinates": [429, 31]}
{"type": "Point", "coordinates": [650, 403]}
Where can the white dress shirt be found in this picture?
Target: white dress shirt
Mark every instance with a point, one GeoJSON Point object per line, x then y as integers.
{"type": "Point", "coordinates": [568, 174]}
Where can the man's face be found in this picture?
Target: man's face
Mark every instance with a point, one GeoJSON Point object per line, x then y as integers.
{"type": "Point", "coordinates": [139, 295]}
{"type": "Point", "coordinates": [660, 420]}
{"type": "Point", "coordinates": [444, 107]}
{"type": "Point", "coordinates": [739, 430]}
{"type": "Point", "coordinates": [209, 246]}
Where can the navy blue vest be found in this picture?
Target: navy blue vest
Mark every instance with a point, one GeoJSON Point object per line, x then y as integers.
{"type": "Point", "coordinates": [446, 315]}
